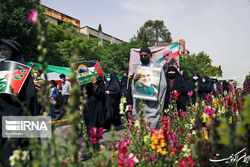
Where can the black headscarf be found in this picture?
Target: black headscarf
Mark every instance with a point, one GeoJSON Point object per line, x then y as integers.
{"type": "Point", "coordinates": [172, 68]}
{"type": "Point", "coordinates": [114, 83]}
{"type": "Point", "coordinates": [17, 50]}
{"type": "Point", "coordinates": [185, 75]}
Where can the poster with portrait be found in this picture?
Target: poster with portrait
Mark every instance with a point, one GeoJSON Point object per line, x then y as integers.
{"type": "Point", "coordinates": [147, 87]}
{"type": "Point", "coordinates": [12, 76]}
{"type": "Point", "coordinates": [167, 55]}
{"type": "Point", "coordinates": [88, 69]}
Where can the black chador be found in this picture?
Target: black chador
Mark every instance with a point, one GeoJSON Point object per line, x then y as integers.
{"type": "Point", "coordinates": [113, 96]}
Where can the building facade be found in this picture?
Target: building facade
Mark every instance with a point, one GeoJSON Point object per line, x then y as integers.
{"type": "Point", "coordinates": [57, 18]}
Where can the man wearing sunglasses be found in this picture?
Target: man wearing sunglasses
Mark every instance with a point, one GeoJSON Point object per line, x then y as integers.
{"type": "Point", "coordinates": [151, 109]}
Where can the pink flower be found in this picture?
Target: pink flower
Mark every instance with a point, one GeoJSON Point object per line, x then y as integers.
{"type": "Point", "coordinates": [68, 132]}
{"type": "Point", "coordinates": [79, 155]}
{"type": "Point", "coordinates": [183, 115]}
{"type": "Point", "coordinates": [175, 139]}
{"type": "Point", "coordinates": [190, 93]}
{"type": "Point", "coordinates": [210, 112]}
{"type": "Point", "coordinates": [95, 134]}
{"type": "Point", "coordinates": [129, 107]}
{"type": "Point", "coordinates": [102, 147]}
{"type": "Point", "coordinates": [33, 15]}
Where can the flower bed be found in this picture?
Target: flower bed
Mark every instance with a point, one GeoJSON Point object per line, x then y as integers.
{"type": "Point", "coordinates": [207, 134]}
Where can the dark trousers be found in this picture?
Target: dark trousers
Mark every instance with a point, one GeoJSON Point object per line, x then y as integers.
{"type": "Point", "coordinates": [65, 99]}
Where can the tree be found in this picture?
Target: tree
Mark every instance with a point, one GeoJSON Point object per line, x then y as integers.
{"type": "Point", "coordinates": [116, 56]}
{"type": "Point", "coordinates": [153, 33]}
{"type": "Point", "coordinates": [100, 28]}
{"type": "Point", "coordinates": [14, 25]}
{"type": "Point", "coordinates": [201, 63]}
{"type": "Point", "coordinates": [62, 40]}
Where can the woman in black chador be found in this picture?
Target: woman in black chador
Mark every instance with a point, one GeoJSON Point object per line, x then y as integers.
{"type": "Point", "coordinates": [113, 96]}
{"type": "Point", "coordinates": [197, 85]}
{"type": "Point", "coordinates": [175, 82]}
{"type": "Point", "coordinates": [11, 50]}
{"type": "Point", "coordinates": [94, 112]}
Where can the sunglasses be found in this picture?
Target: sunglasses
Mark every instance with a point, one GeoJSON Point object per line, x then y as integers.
{"type": "Point", "coordinates": [147, 55]}
{"type": "Point", "coordinates": [166, 55]}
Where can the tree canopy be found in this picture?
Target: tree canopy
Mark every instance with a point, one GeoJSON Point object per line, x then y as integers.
{"type": "Point", "coordinates": [62, 40]}
{"type": "Point", "coordinates": [14, 25]}
{"type": "Point", "coordinates": [201, 63]}
{"type": "Point", "coordinates": [153, 32]}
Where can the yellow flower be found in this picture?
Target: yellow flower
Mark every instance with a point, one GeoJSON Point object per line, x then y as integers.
{"type": "Point", "coordinates": [204, 132]}
{"type": "Point", "coordinates": [159, 150]}
{"type": "Point", "coordinates": [163, 144]}
{"type": "Point", "coordinates": [230, 120]}
{"type": "Point", "coordinates": [205, 118]}
{"type": "Point", "coordinates": [153, 146]}
{"type": "Point", "coordinates": [164, 152]}
{"type": "Point", "coordinates": [147, 139]}
{"type": "Point", "coordinates": [155, 141]}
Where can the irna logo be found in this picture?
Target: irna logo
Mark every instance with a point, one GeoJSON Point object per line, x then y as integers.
{"type": "Point", "coordinates": [25, 125]}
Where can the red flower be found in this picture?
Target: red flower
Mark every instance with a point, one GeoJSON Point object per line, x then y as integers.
{"type": "Point", "coordinates": [148, 124]}
{"type": "Point", "coordinates": [179, 147]}
{"type": "Point", "coordinates": [182, 129]}
{"type": "Point", "coordinates": [173, 150]}
{"type": "Point", "coordinates": [190, 162]}
{"type": "Point", "coordinates": [175, 94]}
{"type": "Point", "coordinates": [182, 163]}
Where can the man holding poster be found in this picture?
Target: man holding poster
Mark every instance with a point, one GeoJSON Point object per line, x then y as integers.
{"type": "Point", "coordinates": [151, 102]}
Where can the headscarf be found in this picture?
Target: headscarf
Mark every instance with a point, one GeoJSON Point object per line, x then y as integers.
{"type": "Point", "coordinates": [113, 83]}
{"type": "Point", "coordinates": [185, 75]}
{"type": "Point", "coordinates": [17, 50]}
{"type": "Point", "coordinates": [172, 68]}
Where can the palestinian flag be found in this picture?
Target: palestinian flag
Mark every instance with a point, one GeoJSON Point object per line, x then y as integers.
{"type": "Point", "coordinates": [12, 76]}
{"type": "Point", "coordinates": [88, 69]}
{"type": "Point", "coordinates": [175, 49]}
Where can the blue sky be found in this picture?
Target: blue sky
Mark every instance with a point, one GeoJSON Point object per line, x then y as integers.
{"type": "Point", "coordinates": [221, 28]}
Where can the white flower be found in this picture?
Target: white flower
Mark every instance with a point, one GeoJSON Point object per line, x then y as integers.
{"type": "Point", "coordinates": [137, 124]}
{"type": "Point", "coordinates": [121, 106]}
{"type": "Point", "coordinates": [186, 150]}
{"type": "Point", "coordinates": [131, 155]}
{"type": "Point", "coordinates": [25, 155]}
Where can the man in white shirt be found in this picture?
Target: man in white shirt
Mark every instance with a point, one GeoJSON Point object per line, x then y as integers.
{"type": "Point", "coordinates": [66, 87]}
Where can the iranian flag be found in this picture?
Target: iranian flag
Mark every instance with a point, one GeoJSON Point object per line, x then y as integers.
{"type": "Point", "coordinates": [53, 72]}
{"type": "Point", "coordinates": [162, 61]}
{"type": "Point", "coordinates": [175, 49]}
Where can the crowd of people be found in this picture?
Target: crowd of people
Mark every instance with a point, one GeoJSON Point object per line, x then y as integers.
{"type": "Point", "coordinates": [103, 96]}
